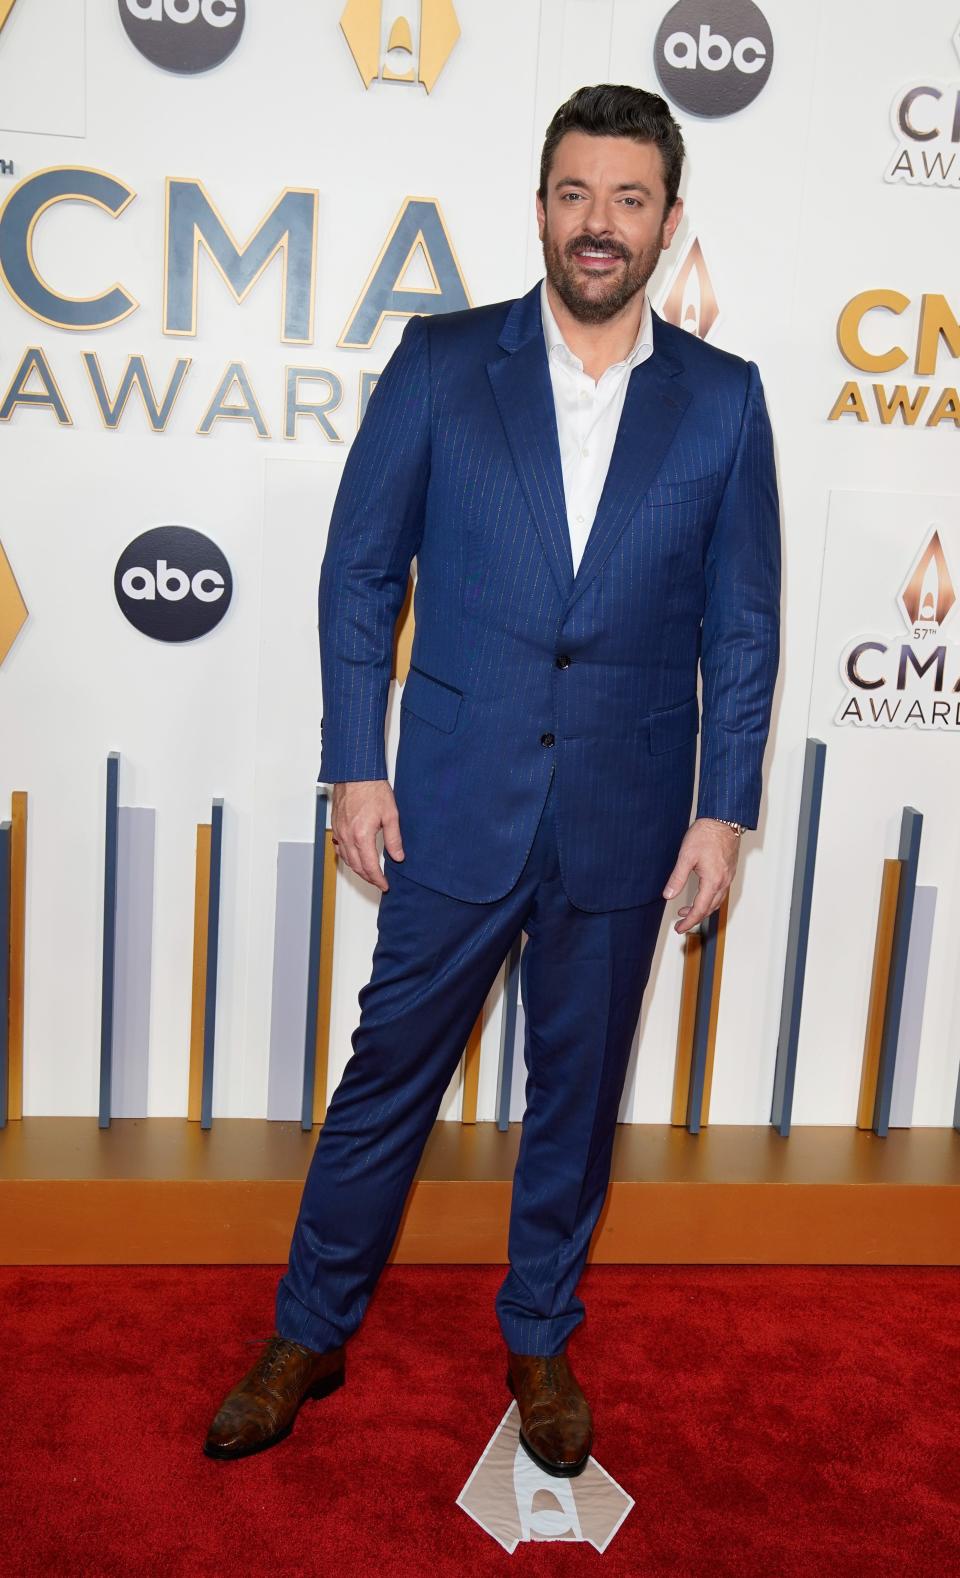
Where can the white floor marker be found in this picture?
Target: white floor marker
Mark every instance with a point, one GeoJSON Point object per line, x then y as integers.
{"type": "Point", "coordinates": [513, 1500]}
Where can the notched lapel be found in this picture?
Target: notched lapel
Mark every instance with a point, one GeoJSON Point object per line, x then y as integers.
{"type": "Point", "coordinates": [524, 396]}
{"type": "Point", "coordinates": [653, 408]}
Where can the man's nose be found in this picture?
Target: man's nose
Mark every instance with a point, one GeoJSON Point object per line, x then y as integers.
{"type": "Point", "coordinates": [597, 222]}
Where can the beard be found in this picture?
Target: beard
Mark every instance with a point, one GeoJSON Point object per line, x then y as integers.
{"type": "Point", "coordinates": [602, 299]}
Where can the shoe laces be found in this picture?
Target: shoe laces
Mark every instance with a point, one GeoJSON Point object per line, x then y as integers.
{"type": "Point", "coordinates": [276, 1350]}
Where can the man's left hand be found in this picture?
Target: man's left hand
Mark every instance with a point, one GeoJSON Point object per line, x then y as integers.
{"type": "Point", "coordinates": [709, 848]}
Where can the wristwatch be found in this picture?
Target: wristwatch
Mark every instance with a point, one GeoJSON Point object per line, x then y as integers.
{"type": "Point", "coordinates": [737, 826]}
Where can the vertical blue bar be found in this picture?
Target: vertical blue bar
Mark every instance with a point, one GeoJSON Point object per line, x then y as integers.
{"type": "Point", "coordinates": [109, 936]}
{"type": "Point", "coordinates": [313, 960]}
{"type": "Point", "coordinates": [4, 971]}
{"type": "Point", "coordinates": [213, 949]}
{"type": "Point", "coordinates": [798, 934]}
{"type": "Point", "coordinates": [911, 826]}
{"type": "Point", "coordinates": [701, 1030]}
{"type": "Point", "coordinates": [508, 1034]}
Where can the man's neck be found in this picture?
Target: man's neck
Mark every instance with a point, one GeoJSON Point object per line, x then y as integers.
{"type": "Point", "coordinates": [599, 345]}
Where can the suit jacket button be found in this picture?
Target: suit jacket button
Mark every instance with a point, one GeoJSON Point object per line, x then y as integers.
{"type": "Point", "coordinates": [563, 661]}
{"type": "Point", "coordinates": [546, 739]}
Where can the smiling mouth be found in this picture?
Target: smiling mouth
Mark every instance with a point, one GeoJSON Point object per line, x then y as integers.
{"type": "Point", "coordinates": [594, 259]}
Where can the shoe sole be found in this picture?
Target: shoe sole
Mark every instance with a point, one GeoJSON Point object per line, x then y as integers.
{"type": "Point", "coordinates": [558, 1470]}
{"type": "Point", "coordinates": [322, 1388]}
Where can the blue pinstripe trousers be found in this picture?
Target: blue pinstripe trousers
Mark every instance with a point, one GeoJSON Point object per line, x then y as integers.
{"type": "Point", "coordinates": [582, 978]}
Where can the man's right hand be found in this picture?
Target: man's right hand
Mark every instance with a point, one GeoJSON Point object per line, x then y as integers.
{"type": "Point", "coordinates": [358, 812]}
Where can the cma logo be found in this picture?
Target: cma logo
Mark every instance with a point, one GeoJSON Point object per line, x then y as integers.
{"type": "Point", "coordinates": [925, 117]}
{"type": "Point", "coordinates": [864, 335]}
{"type": "Point", "coordinates": [713, 56]}
{"type": "Point", "coordinates": [173, 584]}
{"type": "Point", "coordinates": [915, 681]}
{"type": "Point", "coordinates": [193, 227]}
{"type": "Point", "coordinates": [183, 36]}
{"type": "Point", "coordinates": [384, 47]}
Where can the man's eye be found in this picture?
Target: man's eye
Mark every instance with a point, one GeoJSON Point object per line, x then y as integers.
{"type": "Point", "coordinates": [565, 195]}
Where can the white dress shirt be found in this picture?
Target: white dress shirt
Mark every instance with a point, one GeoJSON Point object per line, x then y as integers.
{"type": "Point", "coordinates": [588, 415]}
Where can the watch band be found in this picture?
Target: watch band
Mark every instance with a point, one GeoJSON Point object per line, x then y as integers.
{"type": "Point", "coordinates": [737, 826]}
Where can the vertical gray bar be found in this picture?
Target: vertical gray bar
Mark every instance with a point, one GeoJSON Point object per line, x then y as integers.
{"type": "Point", "coordinates": [213, 950]}
{"type": "Point", "coordinates": [109, 938]}
{"type": "Point", "coordinates": [798, 933]}
{"type": "Point", "coordinates": [313, 961]}
{"type": "Point", "coordinates": [4, 971]}
{"type": "Point", "coordinates": [701, 1030]}
{"type": "Point", "coordinates": [508, 1033]}
{"type": "Point", "coordinates": [911, 1019]}
{"type": "Point", "coordinates": [911, 826]}
{"type": "Point", "coordinates": [288, 998]}
{"type": "Point", "coordinates": [136, 844]}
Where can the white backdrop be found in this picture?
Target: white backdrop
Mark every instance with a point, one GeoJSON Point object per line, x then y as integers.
{"type": "Point", "coordinates": [790, 206]}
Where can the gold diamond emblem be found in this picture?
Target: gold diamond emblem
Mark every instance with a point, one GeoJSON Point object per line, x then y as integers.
{"type": "Point", "coordinates": [690, 301]}
{"type": "Point", "coordinates": [927, 595]}
{"type": "Point", "coordinates": [13, 609]}
{"type": "Point", "coordinates": [361, 24]}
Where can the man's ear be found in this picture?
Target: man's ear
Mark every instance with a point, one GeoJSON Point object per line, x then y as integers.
{"type": "Point", "coordinates": [541, 215]}
{"type": "Point", "coordinates": [672, 221]}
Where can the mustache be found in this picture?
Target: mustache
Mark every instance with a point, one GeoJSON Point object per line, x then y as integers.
{"type": "Point", "coordinates": [612, 249]}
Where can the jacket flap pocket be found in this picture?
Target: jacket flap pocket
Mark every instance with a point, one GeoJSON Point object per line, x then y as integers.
{"type": "Point", "coordinates": [674, 725]}
{"type": "Point", "coordinates": [431, 699]}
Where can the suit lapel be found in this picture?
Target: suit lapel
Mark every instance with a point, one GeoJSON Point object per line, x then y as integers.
{"type": "Point", "coordinates": [524, 396]}
{"type": "Point", "coordinates": [653, 407]}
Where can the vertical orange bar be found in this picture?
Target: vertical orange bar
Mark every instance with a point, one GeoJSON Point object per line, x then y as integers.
{"type": "Point", "coordinates": [882, 954]}
{"type": "Point", "coordinates": [201, 904]}
{"type": "Point", "coordinates": [403, 635]}
{"type": "Point", "coordinates": [714, 1009]}
{"type": "Point", "coordinates": [18, 946]}
{"type": "Point", "coordinates": [325, 978]}
{"type": "Point", "coordinates": [470, 1073]}
{"type": "Point", "coordinates": [685, 1027]}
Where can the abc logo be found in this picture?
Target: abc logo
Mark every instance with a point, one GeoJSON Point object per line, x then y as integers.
{"type": "Point", "coordinates": [713, 56]}
{"type": "Point", "coordinates": [173, 584]}
{"type": "Point", "coordinates": [185, 36]}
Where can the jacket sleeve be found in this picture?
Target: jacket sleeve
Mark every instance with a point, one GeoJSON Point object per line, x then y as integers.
{"type": "Point", "coordinates": [375, 530]}
{"type": "Point", "coordinates": [740, 638]}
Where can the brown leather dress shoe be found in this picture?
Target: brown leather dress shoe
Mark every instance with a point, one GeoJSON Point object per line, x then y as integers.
{"type": "Point", "coordinates": [556, 1427]}
{"type": "Point", "coordinates": [259, 1411]}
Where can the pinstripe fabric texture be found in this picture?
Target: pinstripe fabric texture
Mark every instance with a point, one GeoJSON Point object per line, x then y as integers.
{"type": "Point", "coordinates": [457, 461]}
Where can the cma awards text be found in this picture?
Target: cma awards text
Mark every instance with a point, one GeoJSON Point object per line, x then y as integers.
{"type": "Point", "coordinates": [197, 237]}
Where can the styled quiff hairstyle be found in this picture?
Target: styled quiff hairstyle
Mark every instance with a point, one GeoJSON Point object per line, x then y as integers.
{"type": "Point", "coordinates": [611, 110]}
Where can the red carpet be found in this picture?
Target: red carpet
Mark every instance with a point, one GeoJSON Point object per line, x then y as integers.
{"type": "Point", "coordinates": [768, 1421]}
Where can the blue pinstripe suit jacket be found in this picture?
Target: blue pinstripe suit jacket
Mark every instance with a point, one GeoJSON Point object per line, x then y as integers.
{"type": "Point", "coordinates": [457, 461]}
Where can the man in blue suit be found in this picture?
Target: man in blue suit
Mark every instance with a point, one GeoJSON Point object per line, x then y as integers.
{"type": "Point", "coordinates": [591, 499]}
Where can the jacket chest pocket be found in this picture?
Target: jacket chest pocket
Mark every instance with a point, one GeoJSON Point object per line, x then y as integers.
{"type": "Point", "coordinates": [702, 490]}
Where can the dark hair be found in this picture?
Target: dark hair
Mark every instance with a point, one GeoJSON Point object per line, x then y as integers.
{"type": "Point", "coordinates": [610, 110]}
